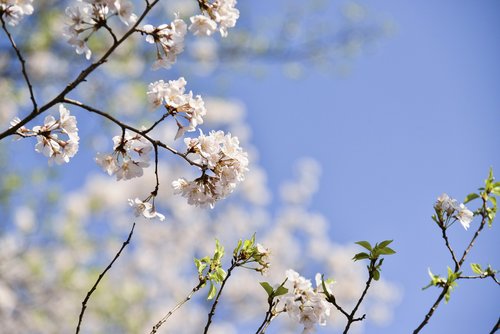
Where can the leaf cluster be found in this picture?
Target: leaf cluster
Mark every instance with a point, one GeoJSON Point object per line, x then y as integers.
{"type": "Point", "coordinates": [210, 269]}
{"type": "Point", "coordinates": [374, 253]}
{"type": "Point", "coordinates": [449, 283]}
{"type": "Point", "coordinates": [487, 193]}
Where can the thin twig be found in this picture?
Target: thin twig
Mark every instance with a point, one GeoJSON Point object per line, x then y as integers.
{"type": "Point", "coordinates": [214, 305]}
{"type": "Point", "coordinates": [164, 319]}
{"type": "Point", "coordinates": [445, 237]}
{"type": "Point", "coordinates": [94, 287]}
{"type": "Point", "coordinates": [351, 318]}
{"type": "Point", "coordinates": [131, 128]}
{"type": "Point", "coordinates": [270, 315]}
{"type": "Point", "coordinates": [23, 65]}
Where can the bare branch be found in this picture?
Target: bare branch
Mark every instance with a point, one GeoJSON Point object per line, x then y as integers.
{"type": "Point", "coordinates": [94, 287]}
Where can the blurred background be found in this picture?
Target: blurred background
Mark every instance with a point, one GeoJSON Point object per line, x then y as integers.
{"type": "Point", "coordinates": [356, 117]}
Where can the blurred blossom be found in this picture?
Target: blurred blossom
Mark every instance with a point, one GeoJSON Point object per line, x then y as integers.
{"type": "Point", "coordinates": [24, 218]}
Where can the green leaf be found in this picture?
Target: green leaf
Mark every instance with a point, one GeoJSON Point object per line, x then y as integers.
{"type": "Point", "coordinates": [376, 274]}
{"type": "Point", "coordinates": [237, 249]}
{"type": "Point", "coordinates": [281, 290]}
{"type": "Point", "coordinates": [496, 191]}
{"type": "Point", "coordinates": [268, 288]}
{"type": "Point", "coordinates": [385, 243]}
{"type": "Point", "coordinates": [470, 197]}
{"type": "Point", "coordinates": [212, 291]}
{"type": "Point", "coordinates": [476, 268]}
{"type": "Point", "coordinates": [360, 256]}
{"type": "Point", "coordinates": [364, 244]}
{"type": "Point", "coordinates": [387, 251]}
{"type": "Point", "coordinates": [220, 274]}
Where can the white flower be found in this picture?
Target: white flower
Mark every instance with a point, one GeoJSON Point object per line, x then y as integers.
{"type": "Point", "coordinates": [202, 25]}
{"type": "Point", "coordinates": [226, 171]}
{"type": "Point", "coordinates": [464, 216]}
{"type": "Point", "coordinates": [13, 10]}
{"type": "Point", "coordinates": [145, 209]}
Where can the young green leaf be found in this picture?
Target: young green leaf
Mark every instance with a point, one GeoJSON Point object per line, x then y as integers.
{"type": "Point", "coordinates": [360, 256]}
{"type": "Point", "coordinates": [384, 243]}
{"type": "Point", "coordinates": [281, 290]}
{"type": "Point", "coordinates": [386, 251]}
{"type": "Point", "coordinates": [376, 274]}
{"type": "Point", "coordinates": [470, 197]}
{"type": "Point", "coordinates": [476, 268]}
{"type": "Point", "coordinates": [364, 244]}
{"type": "Point", "coordinates": [268, 288]}
{"type": "Point", "coordinates": [212, 291]}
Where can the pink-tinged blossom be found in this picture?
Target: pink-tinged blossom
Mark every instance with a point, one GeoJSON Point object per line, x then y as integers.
{"type": "Point", "coordinates": [445, 205]}
{"type": "Point", "coordinates": [12, 11]}
{"type": "Point", "coordinates": [169, 40]}
{"type": "Point", "coordinates": [85, 18]}
{"type": "Point", "coordinates": [304, 304]}
{"type": "Point", "coordinates": [188, 111]}
{"type": "Point", "coordinates": [131, 154]}
{"type": "Point", "coordinates": [223, 173]}
{"type": "Point", "coordinates": [221, 14]}
{"type": "Point", "coordinates": [49, 140]}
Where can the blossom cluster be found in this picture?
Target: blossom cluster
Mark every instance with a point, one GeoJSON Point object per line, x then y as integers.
{"type": "Point", "coordinates": [224, 164]}
{"type": "Point", "coordinates": [13, 10]}
{"type": "Point", "coordinates": [90, 15]}
{"type": "Point", "coordinates": [130, 155]}
{"type": "Point", "coordinates": [49, 142]}
{"type": "Point", "coordinates": [306, 305]}
{"type": "Point", "coordinates": [221, 14]}
{"type": "Point", "coordinates": [172, 95]}
{"type": "Point", "coordinates": [169, 40]}
{"type": "Point", "coordinates": [450, 206]}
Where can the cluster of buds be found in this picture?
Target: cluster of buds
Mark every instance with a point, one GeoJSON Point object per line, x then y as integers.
{"type": "Point", "coordinates": [221, 14]}
{"type": "Point", "coordinates": [306, 305]}
{"type": "Point", "coordinates": [89, 16]}
{"type": "Point", "coordinates": [169, 40]}
{"type": "Point", "coordinates": [250, 252]}
{"type": "Point", "coordinates": [48, 135]}
{"type": "Point", "coordinates": [178, 104]}
{"type": "Point", "coordinates": [130, 155]}
{"type": "Point", "coordinates": [13, 10]}
{"type": "Point", "coordinates": [448, 208]}
{"type": "Point", "coordinates": [224, 164]}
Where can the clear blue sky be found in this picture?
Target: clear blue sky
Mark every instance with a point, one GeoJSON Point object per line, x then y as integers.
{"type": "Point", "coordinates": [418, 116]}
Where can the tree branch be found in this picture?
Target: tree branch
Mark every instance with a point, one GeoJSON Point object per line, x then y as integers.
{"type": "Point", "coordinates": [94, 287]}
{"type": "Point", "coordinates": [164, 319]}
{"type": "Point", "coordinates": [81, 77]}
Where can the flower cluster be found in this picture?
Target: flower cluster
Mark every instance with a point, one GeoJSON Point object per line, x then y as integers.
{"type": "Point", "coordinates": [169, 40]}
{"type": "Point", "coordinates": [445, 205]}
{"type": "Point", "coordinates": [224, 164]}
{"type": "Point", "coordinates": [89, 16]}
{"type": "Point", "coordinates": [145, 209]}
{"type": "Point", "coordinates": [306, 305]}
{"type": "Point", "coordinates": [130, 155]}
{"type": "Point", "coordinates": [13, 10]}
{"type": "Point", "coordinates": [48, 135]}
{"type": "Point", "coordinates": [177, 103]}
{"type": "Point", "coordinates": [221, 13]}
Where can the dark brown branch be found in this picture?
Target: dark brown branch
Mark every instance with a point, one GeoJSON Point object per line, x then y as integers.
{"type": "Point", "coordinates": [128, 127]}
{"type": "Point", "coordinates": [81, 77]}
{"type": "Point", "coordinates": [214, 305]}
{"type": "Point", "coordinates": [94, 287]}
{"type": "Point", "coordinates": [351, 317]}
{"type": "Point", "coordinates": [23, 65]}
{"type": "Point", "coordinates": [496, 327]}
{"type": "Point", "coordinates": [445, 237]}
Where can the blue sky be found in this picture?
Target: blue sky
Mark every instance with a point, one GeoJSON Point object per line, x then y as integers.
{"type": "Point", "coordinates": [417, 116]}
